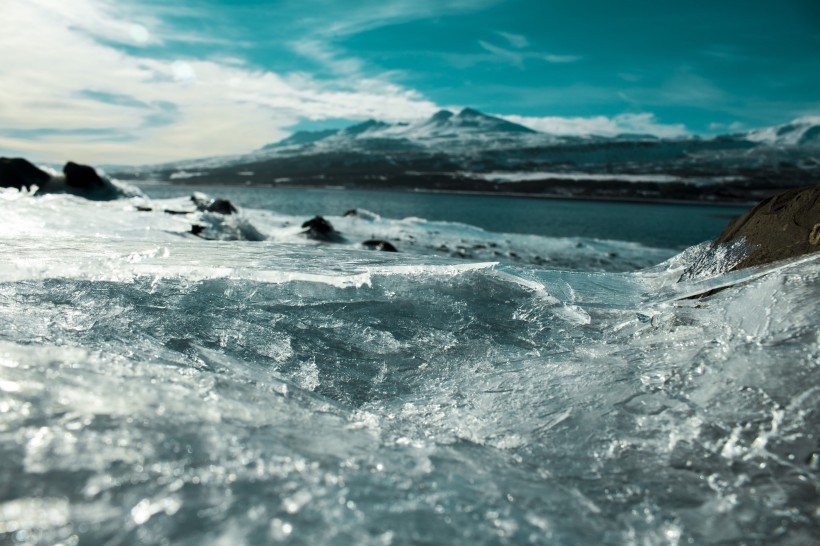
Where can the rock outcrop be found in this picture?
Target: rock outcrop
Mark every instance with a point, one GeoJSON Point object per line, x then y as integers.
{"type": "Point", "coordinates": [16, 172]}
{"type": "Point", "coordinates": [206, 203]}
{"type": "Point", "coordinates": [83, 177]}
{"type": "Point", "coordinates": [80, 180]}
{"type": "Point", "coordinates": [319, 229]}
{"type": "Point", "coordinates": [779, 227]}
{"type": "Point", "coordinates": [84, 181]}
{"type": "Point", "coordinates": [379, 244]}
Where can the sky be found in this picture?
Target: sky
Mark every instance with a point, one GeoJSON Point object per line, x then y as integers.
{"type": "Point", "coordinates": [149, 81]}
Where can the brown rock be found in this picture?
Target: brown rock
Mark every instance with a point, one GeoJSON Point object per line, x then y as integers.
{"type": "Point", "coordinates": [779, 227]}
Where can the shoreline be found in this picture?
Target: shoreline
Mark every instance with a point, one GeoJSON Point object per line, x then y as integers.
{"type": "Point", "coordinates": [476, 193]}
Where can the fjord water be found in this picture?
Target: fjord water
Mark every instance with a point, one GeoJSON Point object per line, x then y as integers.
{"type": "Point", "coordinates": [659, 225]}
{"type": "Point", "coordinates": [156, 388]}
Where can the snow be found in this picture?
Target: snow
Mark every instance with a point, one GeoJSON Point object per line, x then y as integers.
{"type": "Point", "coordinates": [803, 131]}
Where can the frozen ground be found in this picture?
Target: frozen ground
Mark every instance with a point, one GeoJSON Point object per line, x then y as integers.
{"type": "Point", "coordinates": [157, 388]}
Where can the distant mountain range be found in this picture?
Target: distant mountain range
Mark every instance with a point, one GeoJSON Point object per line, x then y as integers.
{"type": "Point", "coordinates": [801, 132]}
{"type": "Point", "coordinates": [472, 125]}
{"type": "Point", "coordinates": [444, 124]}
{"type": "Point", "coordinates": [475, 152]}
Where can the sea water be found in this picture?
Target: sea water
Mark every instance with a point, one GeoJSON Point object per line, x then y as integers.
{"type": "Point", "coordinates": [261, 387]}
{"type": "Point", "coordinates": [653, 224]}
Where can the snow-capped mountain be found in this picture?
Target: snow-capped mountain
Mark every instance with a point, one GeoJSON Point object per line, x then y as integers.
{"type": "Point", "coordinates": [803, 131]}
{"type": "Point", "coordinates": [445, 124]}
{"type": "Point", "coordinates": [472, 151]}
{"type": "Point", "coordinates": [469, 125]}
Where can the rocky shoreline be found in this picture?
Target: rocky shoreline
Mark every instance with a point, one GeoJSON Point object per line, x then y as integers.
{"type": "Point", "coordinates": [781, 226]}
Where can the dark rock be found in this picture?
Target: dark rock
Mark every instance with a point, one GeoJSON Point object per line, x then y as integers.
{"type": "Point", "coordinates": [779, 227]}
{"type": "Point", "coordinates": [19, 173]}
{"type": "Point", "coordinates": [142, 208]}
{"type": "Point", "coordinates": [206, 203]}
{"type": "Point", "coordinates": [82, 177]}
{"type": "Point", "coordinates": [351, 212]}
{"type": "Point", "coordinates": [321, 230]}
{"type": "Point", "coordinates": [197, 229]}
{"type": "Point", "coordinates": [222, 206]}
{"type": "Point", "coordinates": [378, 244]}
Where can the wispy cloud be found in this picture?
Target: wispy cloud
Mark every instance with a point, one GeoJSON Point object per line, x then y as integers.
{"type": "Point", "coordinates": [504, 55]}
{"type": "Point", "coordinates": [734, 127]}
{"type": "Point", "coordinates": [641, 123]}
{"type": "Point", "coordinates": [332, 58]}
{"type": "Point", "coordinates": [684, 88]}
{"type": "Point", "coordinates": [560, 59]}
{"type": "Point", "coordinates": [319, 41]}
{"type": "Point", "coordinates": [515, 40]}
{"type": "Point", "coordinates": [518, 57]}
{"type": "Point", "coordinates": [101, 19]}
{"type": "Point", "coordinates": [351, 18]}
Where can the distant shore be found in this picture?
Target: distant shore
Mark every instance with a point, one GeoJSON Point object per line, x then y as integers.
{"type": "Point", "coordinates": [638, 199]}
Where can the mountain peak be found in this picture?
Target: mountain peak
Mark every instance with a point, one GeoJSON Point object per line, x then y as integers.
{"type": "Point", "coordinates": [365, 126]}
{"type": "Point", "coordinates": [441, 116]}
{"type": "Point", "coordinates": [472, 113]}
{"type": "Point", "coordinates": [468, 123]}
{"type": "Point", "coordinates": [471, 118]}
{"type": "Point", "coordinates": [301, 137]}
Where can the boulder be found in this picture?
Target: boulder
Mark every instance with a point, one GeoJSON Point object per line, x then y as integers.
{"type": "Point", "coordinates": [779, 227]}
{"type": "Point", "coordinates": [378, 244]}
{"type": "Point", "coordinates": [16, 172]}
{"type": "Point", "coordinates": [222, 206]}
{"type": "Point", "coordinates": [206, 203]}
{"type": "Point", "coordinates": [83, 177]}
{"type": "Point", "coordinates": [321, 230]}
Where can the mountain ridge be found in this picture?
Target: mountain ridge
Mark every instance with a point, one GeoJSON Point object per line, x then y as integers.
{"type": "Point", "coordinates": [475, 152]}
{"type": "Point", "coordinates": [470, 123]}
{"type": "Point", "coordinates": [803, 131]}
{"type": "Point", "coordinates": [442, 124]}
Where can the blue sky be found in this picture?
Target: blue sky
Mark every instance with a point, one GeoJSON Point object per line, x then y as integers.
{"type": "Point", "coordinates": [143, 81]}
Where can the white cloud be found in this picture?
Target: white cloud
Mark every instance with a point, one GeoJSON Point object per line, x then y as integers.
{"type": "Point", "coordinates": [559, 59]}
{"type": "Point", "coordinates": [643, 123]}
{"type": "Point", "coordinates": [518, 57]}
{"type": "Point", "coordinates": [734, 127]}
{"type": "Point", "coordinates": [499, 53]}
{"type": "Point", "coordinates": [516, 40]}
{"type": "Point", "coordinates": [332, 59]}
{"type": "Point", "coordinates": [351, 18]}
{"type": "Point", "coordinates": [58, 76]}
{"type": "Point", "coordinates": [98, 19]}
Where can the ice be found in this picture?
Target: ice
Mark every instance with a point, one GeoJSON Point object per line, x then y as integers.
{"type": "Point", "coordinates": [156, 387]}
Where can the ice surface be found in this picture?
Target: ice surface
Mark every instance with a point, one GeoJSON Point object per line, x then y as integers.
{"type": "Point", "coordinates": [157, 388]}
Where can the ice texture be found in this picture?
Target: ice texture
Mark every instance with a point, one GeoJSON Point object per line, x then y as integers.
{"type": "Point", "coordinates": [157, 388]}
